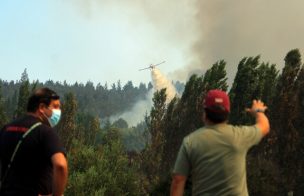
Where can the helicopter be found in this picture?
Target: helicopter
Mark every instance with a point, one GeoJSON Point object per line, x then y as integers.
{"type": "Point", "coordinates": [152, 66]}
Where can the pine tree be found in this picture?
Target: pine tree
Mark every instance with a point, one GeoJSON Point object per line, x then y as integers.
{"type": "Point", "coordinates": [67, 128]}
{"type": "Point", "coordinates": [94, 128]}
{"type": "Point", "coordinates": [24, 93]}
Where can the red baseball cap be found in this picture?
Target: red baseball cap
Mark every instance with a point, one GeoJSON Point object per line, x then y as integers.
{"type": "Point", "coordinates": [217, 101]}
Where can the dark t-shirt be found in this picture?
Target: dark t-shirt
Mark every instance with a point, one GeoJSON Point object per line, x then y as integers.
{"type": "Point", "coordinates": [31, 170]}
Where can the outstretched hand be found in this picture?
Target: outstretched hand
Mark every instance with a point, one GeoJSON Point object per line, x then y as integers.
{"type": "Point", "coordinates": [257, 106]}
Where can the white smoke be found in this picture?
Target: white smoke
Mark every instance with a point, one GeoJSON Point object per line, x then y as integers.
{"type": "Point", "coordinates": [197, 33]}
{"type": "Point", "coordinates": [140, 108]}
{"type": "Point", "coordinates": [160, 81]}
{"type": "Point", "coordinates": [137, 112]}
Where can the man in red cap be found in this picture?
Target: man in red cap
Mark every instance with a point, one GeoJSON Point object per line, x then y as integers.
{"type": "Point", "coordinates": [215, 155]}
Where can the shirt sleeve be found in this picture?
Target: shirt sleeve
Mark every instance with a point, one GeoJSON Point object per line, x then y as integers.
{"type": "Point", "coordinates": [249, 136]}
{"type": "Point", "coordinates": [51, 143]}
{"type": "Point", "coordinates": [182, 164]}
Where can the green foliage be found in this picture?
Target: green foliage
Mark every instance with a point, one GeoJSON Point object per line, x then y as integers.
{"type": "Point", "coordinates": [3, 116]}
{"type": "Point", "coordinates": [88, 127]}
{"type": "Point", "coordinates": [151, 157]}
{"type": "Point", "coordinates": [299, 124]}
{"type": "Point", "coordinates": [24, 94]}
{"type": "Point", "coordinates": [243, 89]}
{"type": "Point", "coordinates": [134, 138]}
{"type": "Point", "coordinates": [67, 129]}
{"type": "Point", "coordinates": [287, 136]}
{"type": "Point", "coordinates": [104, 170]}
{"type": "Point", "coordinates": [189, 107]}
{"type": "Point", "coordinates": [263, 176]}
{"type": "Point", "coordinates": [266, 81]}
{"type": "Point", "coordinates": [215, 77]}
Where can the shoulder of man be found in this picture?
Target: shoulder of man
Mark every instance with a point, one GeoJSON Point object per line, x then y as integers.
{"type": "Point", "coordinates": [20, 125]}
{"type": "Point", "coordinates": [29, 121]}
{"type": "Point", "coordinates": [188, 139]}
{"type": "Point", "coordinates": [245, 127]}
{"type": "Point", "coordinates": [248, 135]}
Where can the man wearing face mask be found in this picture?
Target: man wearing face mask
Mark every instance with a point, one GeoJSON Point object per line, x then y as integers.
{"type": "Point", "coordinates": [32, 158]}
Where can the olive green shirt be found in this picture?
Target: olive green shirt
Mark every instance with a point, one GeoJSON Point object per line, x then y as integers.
{"type": "Point", "coordinates": [215, 158]}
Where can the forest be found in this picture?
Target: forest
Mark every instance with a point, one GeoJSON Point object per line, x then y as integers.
{"type": "Point", "coordinates": [113, 158]}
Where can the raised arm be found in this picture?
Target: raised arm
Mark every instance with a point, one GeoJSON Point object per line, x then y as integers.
{"type": "Point", "coordinates": [257, 110]}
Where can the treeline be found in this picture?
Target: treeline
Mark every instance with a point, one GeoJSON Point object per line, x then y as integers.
{"type": "Point", "coordinates": [99, 100]}
{"type": "Point", "coordinates": [101, 165]}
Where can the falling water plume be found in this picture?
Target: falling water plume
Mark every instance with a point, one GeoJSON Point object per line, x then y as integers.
{"type": "Point", "coordinates": [160, 82]}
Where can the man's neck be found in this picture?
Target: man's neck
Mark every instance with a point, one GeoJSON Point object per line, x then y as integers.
{"type": "Point", "coordinates": [210, 123]}
{"type": "Point", "coordinates": [35, 114]}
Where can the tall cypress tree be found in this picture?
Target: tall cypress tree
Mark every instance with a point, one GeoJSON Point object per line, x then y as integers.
{"type": "Point", "coordinates": [243, 88]}
{"type": "Point", "coordinates": [189, 106]}
{"type": "Point", "coordinates": [24, 93]}
{"type": "Point", "coordinates": [267, 80]}
{"type": "Point", "coordinates": [215, 77]}
{"type": "Point", "coordinates": [285, 109]}
{"type": "Point", "coordinates": [263, 172]}
{"type": "Point", "coordinates": [152, 156]}
{"type": "Point", "coordinates": [3, 116]}
{"type": "Point", "coordinates": [67, 129]}
{"type": "Point", "coordinates": [299, 124]}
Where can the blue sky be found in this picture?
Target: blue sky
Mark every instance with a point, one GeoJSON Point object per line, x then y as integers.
{"type": "Point", "coordinates": [109, 40]}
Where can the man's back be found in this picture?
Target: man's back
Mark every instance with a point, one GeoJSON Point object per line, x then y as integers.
{"type": "Point", "coordinates": [214, 156]}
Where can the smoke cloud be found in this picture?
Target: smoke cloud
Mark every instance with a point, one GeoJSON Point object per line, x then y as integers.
{"type": "Point", "coordinates": [231, 30]}
{"type": "Point", "coordinates": [206, 31]}
{"type": "Point", "coordinates": [137, 112]}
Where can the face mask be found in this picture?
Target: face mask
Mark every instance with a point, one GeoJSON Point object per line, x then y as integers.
{"type": "Point", "coordinates": [54, 119]}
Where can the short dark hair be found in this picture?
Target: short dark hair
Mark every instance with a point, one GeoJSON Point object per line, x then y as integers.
{"type": "Point", "coordinates": [41, 95]}
{"type": "Point", "coordinates": [215, 116]}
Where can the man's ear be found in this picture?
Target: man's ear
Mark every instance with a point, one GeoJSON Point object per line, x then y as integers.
{"type": "Point", "coordinates": [41, 107]}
